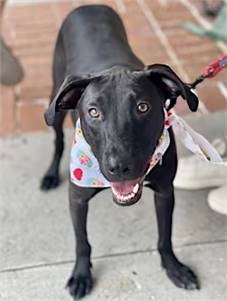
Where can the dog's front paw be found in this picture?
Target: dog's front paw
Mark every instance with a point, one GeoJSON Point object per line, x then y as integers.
{"type": "Point", "coordinates": [49, 181]}
{"type": "Point", "coordinates": [182, 276]}
{"type": "Point", "coordinates": [79, 285]}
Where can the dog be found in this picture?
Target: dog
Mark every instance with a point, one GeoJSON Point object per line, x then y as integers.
{"type": "Point", "coordinates": [120, 102]}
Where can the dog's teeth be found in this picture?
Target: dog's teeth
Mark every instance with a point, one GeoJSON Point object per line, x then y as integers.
{"type": "Point", "coordinates": [136, 188]}
{"type": "Point", "coordinates": [126, 197]}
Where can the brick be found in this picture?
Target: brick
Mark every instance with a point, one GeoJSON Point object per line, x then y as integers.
{"type": "Point", "coordinates": [194, 49]}
{"type": "Point", "coordinates": [163, 15]}
{"type": "Point", "coordinates": [211, 96]}
{"type": "Point", "coordinates": [42, 61]}
{"type": "Point", "coordinates": [135, 30]}
{"type": "Point", "coordinates": [35, 36]}
{"type": "Point", "coordinates": [191, 43]}
{"type": "Point", "coordinates": [61, 10]}
{"type": "Point", "coordinates": [31, 117]}
{"type": "Point", "coordinates": [7, 117]}
{"type": "Point", "coordinates": [38, 74]}
{"type": "Point", "coordinates": [35, 92]}
{"type": "Point", "coordinates": [46, 50]}
{"type": "Point", "coordinates": [36, 11]}
{"type": "Point", "coordinates": [181, 108]}
{"type": "Point", "coordinates": [193, 70]}
{"type": "Point", "coordinates": [68, 122]}
{"type": "Point", "coordinates": [211, 53]}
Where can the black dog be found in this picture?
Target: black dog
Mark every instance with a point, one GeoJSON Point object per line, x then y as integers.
{"type": "Point", "coordinates": [120, 104]}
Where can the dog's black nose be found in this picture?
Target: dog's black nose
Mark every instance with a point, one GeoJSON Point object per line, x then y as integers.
{"type": "Point", "coordinates": [118, 168]}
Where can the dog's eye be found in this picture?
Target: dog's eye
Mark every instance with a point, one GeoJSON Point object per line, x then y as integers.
{"type": "Point", "coordinates": [143, 107]}
{"type": "Point", "coordinates": [94, 113]}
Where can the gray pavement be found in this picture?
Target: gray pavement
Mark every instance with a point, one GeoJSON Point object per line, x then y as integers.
{"type": "Point", "coordinates": [37, 244]}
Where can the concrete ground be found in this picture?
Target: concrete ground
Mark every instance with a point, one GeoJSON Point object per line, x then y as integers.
{"type": "Point", "coordinates": [37, 243]}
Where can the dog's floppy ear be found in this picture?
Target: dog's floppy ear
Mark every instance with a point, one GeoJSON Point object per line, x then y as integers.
{"type": "Point", "coordinates": [171, 85]}
{"type": "Point", "coordinates": [67, 96]}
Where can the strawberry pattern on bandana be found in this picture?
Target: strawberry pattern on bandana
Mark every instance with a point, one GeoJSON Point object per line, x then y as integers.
{"type": "Point", "coordinates": [84, 167]}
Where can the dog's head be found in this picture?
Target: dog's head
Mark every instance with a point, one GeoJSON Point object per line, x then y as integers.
{"type": "Point", "coordinates": [122, 119]}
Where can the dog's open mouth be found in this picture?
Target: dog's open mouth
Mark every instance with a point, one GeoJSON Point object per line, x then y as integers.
{"type": "Point", "coordinates": [127, 193]}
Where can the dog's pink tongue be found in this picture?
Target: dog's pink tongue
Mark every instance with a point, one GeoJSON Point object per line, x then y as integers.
{"type": "Point", "coordinates": [125, 187]}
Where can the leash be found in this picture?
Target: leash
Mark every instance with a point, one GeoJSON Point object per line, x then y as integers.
{"type": "Point", "coordinates": [211, 70]}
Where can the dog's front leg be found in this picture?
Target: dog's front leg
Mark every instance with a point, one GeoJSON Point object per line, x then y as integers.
{"type": "Point", "coordinates": [181, 275]}
{"type": "Point", "coordinates": [51, 178]}
{"type": "Point", "coordinates": [80, 282]}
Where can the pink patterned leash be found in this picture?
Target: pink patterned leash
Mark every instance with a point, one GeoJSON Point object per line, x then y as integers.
{"type": "Point", "coordinates": [211, 70]}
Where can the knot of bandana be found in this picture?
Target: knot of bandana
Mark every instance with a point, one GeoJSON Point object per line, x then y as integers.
{"type": "Point", "coordinates": [85, 170]}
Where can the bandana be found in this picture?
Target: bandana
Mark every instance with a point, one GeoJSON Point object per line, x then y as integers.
{"type": "Point", "coordinates": [84, 167]}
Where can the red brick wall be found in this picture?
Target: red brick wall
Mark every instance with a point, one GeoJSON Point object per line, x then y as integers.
{"type": "Point", "coordinates": [31, 32]}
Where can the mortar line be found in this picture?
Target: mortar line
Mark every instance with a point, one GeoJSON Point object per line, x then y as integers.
{"type": "Point", "coordinates": [162, 37]}
{"type": "Point", "coordinates": [107, 256]}
{"type": "Point", "coordinates": [222, 88]}
{"type": "Point", "coordinates": [165, 43]}
{"type": "Point", "coordinates": [121, 6]}
{"type": "Point", "coordinates": [33, 3]}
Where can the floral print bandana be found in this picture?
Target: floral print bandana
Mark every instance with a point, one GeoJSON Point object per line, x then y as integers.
{"type": "Point", "coordinates": [84, 167]}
